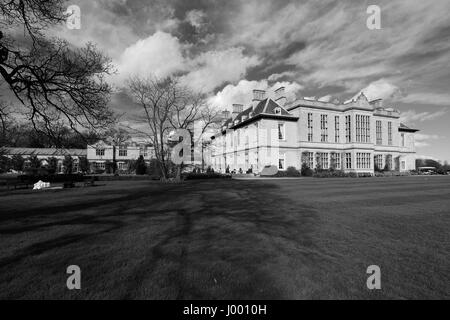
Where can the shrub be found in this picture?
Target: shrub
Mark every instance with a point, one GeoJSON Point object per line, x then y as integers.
{"type": "Point", "coordinates": [5, 164]}
{"type": "Point", "coordinates": [141, 167]}
{"type": "Point", "coordinates": [68, 164]}
{"type": "Point", "coordinates": [154, 169]}
{"type": "Point", "coordinates": [334, 174]}
{"type": "Point", "coordinates": [83, 164]}
{"type": "Point", "coordinates": [109, 167]}
{"type": "Point", "coordinates": [306, 171]}
{"type": "Point", "coordinates": [52, 165]}
{"type": "Point", "coordinates": [17, 162]}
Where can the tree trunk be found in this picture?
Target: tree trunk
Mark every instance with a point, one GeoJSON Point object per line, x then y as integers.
{"type": "Point", "coordinates": [178, 176]}
{"type": "Point", "coordinates": [114, 159]}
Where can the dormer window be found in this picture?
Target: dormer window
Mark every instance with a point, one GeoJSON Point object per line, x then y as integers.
{"type": "Point", "coordinates": [277, 110]}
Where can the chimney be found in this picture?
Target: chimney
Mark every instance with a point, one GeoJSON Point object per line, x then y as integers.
{"type": "Point", "coordinates": [237, 108]}
{"type": "Point", "coordinates": [258, 95]}
{"type": "Point", "coordinates": [280, 96]}
{"type": "Point", "coordinates": [377, 103]}
{"type": "Point", "coordinates": [225, 114]}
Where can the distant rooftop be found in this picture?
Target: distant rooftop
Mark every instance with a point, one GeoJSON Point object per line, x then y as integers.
{"type": "Point", "coordinates": [49, 152]}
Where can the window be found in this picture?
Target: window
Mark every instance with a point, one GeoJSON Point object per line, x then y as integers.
{"type": "Point", "coordinates": [363, 160]}
{"type": "Point", "coordinates": [348, 161]}
{"type": "Point", "coordinates": [281, 161]}
{"type": "Point", "coordinates": [323, 160]}
{"type": "Point", "coordinates": [403, 139]}
{"type": "Point", "coordinates": [281, 131]}
{"type": "Point", "coordinates": [403, 165]}
{"type": "Point", "coordinates": [99, 152]}
{"type": "Point", "coordinates": [336, 129]}
{"type": "Point", "coordinates": [143, 151]}
{"type": "Point", "coordinates": [348, 131]}
{"type": "Point", "coordinates": [367, 129]}
{"type": "Point", "coordinates": [379, 161]}
{"type": "Point", "coordinates": [358, 128]}
{"type": "Point", "coordinates": [337, 160]}
{"type": "Point", "coordinates": [379, 135]}
{"type": "Point", "coordinates": [390, 133]}
{"type": "Point", "coordinates": [362, 128]}
{"type": "Point", "coordinates": [310, 127]}
{"type": "Point", "coordinates": [277, 110]}
{"type": "Point", "coordinates": [310, 159]}
{"type": "Point", "coordinates": [324, 128]}
{"type": "Point", "coordinates": [123, 151]}
{"type": "Point", "coordinates": [122, 166]}
{"type": "Point", "coordinates": [100, 165]}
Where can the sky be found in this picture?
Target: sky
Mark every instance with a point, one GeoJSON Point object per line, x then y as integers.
{"type": "Point", "coordinates": [321, 49]}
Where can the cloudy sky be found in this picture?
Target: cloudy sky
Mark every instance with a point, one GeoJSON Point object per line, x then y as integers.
{"type": "Point", "coordinates": [314, 48]}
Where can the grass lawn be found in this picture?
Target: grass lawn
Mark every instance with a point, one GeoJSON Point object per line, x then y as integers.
{"type": "Point", "coordinates": [287, 239]}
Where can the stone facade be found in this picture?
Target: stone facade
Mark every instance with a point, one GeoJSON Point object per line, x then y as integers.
{"type": "Point", "coordinates": [357, 136]}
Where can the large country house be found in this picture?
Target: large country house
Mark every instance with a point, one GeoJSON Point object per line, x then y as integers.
{"type": "Point", "coordinates": [358, 136]}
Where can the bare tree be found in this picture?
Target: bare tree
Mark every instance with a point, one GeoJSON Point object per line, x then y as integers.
{"type": "Point", "coordinates": [53, 80]}
{"type": "Point", "coordinates": [5, 114]}
{"type": "Point", "coordinates": [169, 106]}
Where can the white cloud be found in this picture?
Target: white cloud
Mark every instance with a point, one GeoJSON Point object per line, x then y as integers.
{"type": "Point", "coordinates": [277, 76]}
{"type": "Point", "coordinates": [412, 116]}
{"type": "Point", "coordinates": [196, 18]}
{"type": "Point", "coordinates": [242, 92]}
{"type": "Point", "coordinates": [428, 98]}
{"type": "Point", "coordinates": [424, 140]}
{"type": "Point", "coordinates": [380, 89]}
{"type": "Point", "coordinates": [214, 68]}
{"type": "Point", "coordinates": [161, 54]}
{"type": "Point", "coordinates": [326, 98]}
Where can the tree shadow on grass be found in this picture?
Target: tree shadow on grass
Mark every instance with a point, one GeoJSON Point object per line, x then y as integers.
{"type": "Point", "coordinates": [221, 248]}
{"type": "Point", "coordinates": [224, 239]}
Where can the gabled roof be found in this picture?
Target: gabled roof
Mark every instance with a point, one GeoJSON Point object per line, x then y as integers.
{"type": "Point", "coordinates": [264, 109]}
{"type": "Point", "coordinates": [245, 113]}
